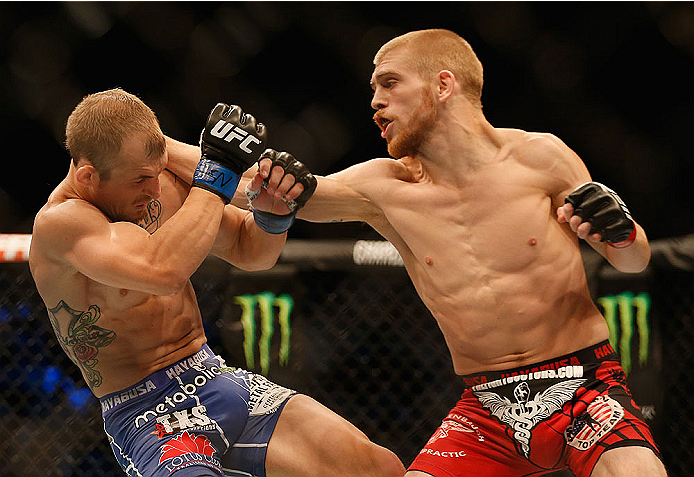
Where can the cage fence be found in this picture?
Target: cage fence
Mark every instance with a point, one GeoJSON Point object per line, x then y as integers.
{"type": "Point", "coordinates": [355, 337]}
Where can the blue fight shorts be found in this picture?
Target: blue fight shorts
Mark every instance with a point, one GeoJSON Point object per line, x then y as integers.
{"type": "Point", "coordinates": [195, 417]}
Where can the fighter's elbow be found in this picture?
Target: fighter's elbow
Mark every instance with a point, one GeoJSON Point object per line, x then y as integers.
{"type": "Point", "coordinates": [635, 264]}
{"type": "Point", "coordinates": [169, 281]}
{"type": "Point", "coordinates": [260, 263]}
{"type": "Point", "coordinates": [249, 259]}
{"type": "Point", "coordinates": [636, 267]}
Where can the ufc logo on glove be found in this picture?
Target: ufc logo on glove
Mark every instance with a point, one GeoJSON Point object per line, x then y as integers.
{"type": "Point", "coordinates": [228, 132]}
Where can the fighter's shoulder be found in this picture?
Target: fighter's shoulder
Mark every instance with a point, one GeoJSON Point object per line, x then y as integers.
{"type": "Point", "coordinates": [377, 168]}
{"type": "Point", "coordinates": [59, 223]}
{"type": "Point", "coordinates": [543, 151]}
{"type": "Point", "coordinates": [551, 162]}
{"type": "Point", "coordinates": [60, 213]}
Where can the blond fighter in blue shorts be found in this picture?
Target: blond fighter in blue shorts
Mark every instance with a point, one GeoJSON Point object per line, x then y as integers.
{"type": "Point", "coordinates": [112, 253]}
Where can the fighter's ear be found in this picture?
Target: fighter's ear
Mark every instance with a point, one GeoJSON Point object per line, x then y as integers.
{"type": "Point", "coordinates": [86, 174]}
{"type": "Point", "coordinates": [445, 85]}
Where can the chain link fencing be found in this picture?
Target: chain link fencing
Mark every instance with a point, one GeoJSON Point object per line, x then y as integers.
{"type": "Point", "coordinates": [356, 338]}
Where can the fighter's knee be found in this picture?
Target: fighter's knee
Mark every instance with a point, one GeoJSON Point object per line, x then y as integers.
{"type": "Point", "coordinates": [384, 463]}
{"type": "Point", "coordinates": [628, 461]}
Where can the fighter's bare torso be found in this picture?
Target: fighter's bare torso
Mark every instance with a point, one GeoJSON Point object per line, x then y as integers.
{"type": "Point", "coordinates": [116, 336]}
{"type": "Point", "coordinates": [502, 277]}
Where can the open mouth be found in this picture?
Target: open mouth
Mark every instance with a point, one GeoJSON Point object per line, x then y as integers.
{"type": "Point", "coordinates": [383, 124]}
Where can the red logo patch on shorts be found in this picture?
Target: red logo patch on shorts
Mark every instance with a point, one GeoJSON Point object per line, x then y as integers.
{"type": "Point", "coordinates": [599, 419]}
{"type": "Point", "coordinates": [186, 450]}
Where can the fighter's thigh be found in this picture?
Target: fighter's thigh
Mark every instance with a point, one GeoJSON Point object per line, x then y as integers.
{"type": "Point", "coordinates": [627, 462]}
{"type": "Point", "coordinates": [416, 473]}
{"type": "Point", "coordinates": [312, 440]}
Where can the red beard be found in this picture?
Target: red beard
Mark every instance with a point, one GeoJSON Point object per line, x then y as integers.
{"type": "Point", "coordinates": [414, 133]}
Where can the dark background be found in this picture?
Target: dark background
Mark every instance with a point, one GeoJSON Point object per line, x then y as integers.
{"type": "Point", "coordinates": [613, 80]}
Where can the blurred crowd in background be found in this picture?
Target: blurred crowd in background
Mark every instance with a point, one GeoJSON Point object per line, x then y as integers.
{"type": "Point", "coordinates": [613, 80]}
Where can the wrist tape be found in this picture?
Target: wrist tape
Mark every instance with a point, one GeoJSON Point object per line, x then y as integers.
{"type": "Point", "coordinates": [273, 223]}
{"type": "Point", "coordinates": [215, 177]}
{"type": "Point", "coordinates": [251, 195]}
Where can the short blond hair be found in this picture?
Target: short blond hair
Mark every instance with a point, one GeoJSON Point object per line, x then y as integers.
{"type": "Point", "coordinates": [100, 123]}
{"type": "Point", "coordinates": [430, 51]}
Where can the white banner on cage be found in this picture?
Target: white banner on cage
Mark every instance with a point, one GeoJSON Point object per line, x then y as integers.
{"type": "Point", "coordinates": [376, 252]}
{"type": "Point", "coordinates": [14, 247]}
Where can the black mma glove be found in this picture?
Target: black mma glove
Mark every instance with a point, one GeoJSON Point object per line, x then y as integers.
{"type": "Point", "coordinates": [274, 223]}
{"type": "Point", "coordinates": [607, 214]}
{"type": "Point", "coordinates": [230, 143]}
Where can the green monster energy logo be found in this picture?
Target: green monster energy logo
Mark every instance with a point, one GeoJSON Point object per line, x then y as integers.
{"type": "Point", "coordinates": [620, 316]}
{"type": "Point", "coordinates": [266, 303]}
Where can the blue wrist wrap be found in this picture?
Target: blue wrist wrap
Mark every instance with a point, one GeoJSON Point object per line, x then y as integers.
{"type": "Point", "coordinates": [273, 223]}
{"type": "Point", "coordinates": [215, 177]}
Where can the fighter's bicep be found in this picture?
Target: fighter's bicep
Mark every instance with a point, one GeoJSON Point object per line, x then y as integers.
{"type": "Point", "coordinates": [351, 195]}
{"type": "Point", "coordinates": [339, 201]}
{"type": "Point", "coordinates": [563, 169]}
{"type": "Point", "coordinates": [119, 254]}
{"type": "Point", "coordinates": [226, 244]}
{"type": "Point", "coordinates": [574, 174]}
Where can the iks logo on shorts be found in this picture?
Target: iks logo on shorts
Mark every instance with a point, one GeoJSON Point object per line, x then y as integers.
{"type": "Point", "coordinates": [190, 419]}
{"type": "Point", "coordinates": [599, 419]}
{"type": "Point", "coordinates": [189, 449]}
{"type": "Point", "coordinates": [187, 391]}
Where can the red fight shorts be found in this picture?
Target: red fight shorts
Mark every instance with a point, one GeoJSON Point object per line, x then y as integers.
{"type": "Point", "coordinates": [538, 419]}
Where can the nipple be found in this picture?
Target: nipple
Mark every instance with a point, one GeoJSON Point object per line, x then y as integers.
{"type": "Point", "coordinates": [532, 241]}
{"type": "Point", "coordinates": [123, 291]}
{"type": "Point", "coordinates": [428, 261]}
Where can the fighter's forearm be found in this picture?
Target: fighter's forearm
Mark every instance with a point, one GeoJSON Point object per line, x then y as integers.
{"type": "Point", "coordinates": [180, 245]}
{"type": "Point", "coordinates": [183, 158]}
{"type": "Point", "coordinates": [334, 201]}
{"type": "Point", "coordinates": [258, 250]}
{"type": "Point", "coordinates": [243, 244]}
{"type": "Point", "coordinates": [631, 259]}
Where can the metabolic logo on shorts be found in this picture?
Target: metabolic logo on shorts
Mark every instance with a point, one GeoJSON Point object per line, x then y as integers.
{"type": "Point", "coordinates": [523, 415]}
{"type": "Point", "coordinates": [190, 419]}
{"type": "Point", "coordinates": [600, 417]}
{"type": "Point", "coordinates": [266, 303]}
{"type": "Point", "coordinates": [620, 317]}
{"type": "Point", "coordinates": [187, 390]}
{"type": "Point", "coordinates": [449, 425]}
{"type": "Point", "coordinates": [186, 450]}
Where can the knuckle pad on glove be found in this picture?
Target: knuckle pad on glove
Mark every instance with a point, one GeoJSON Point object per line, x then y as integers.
{"type": "Point", "coordinates": [602, 207]}
{"type": "Point", "coordinates": [309, 182]}
{"type": "Point", "coordinates": [230, 137]}
{"type": "Point", "coordinates": [578, 195]}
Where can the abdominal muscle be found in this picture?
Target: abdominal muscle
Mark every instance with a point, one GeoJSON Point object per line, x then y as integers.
{"type": "Point", "coordinates": [152, 332]}
{"type": "Point", "coordinates": [480, 339]}
{"type": "Point", "coordinates": [503, 305]}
